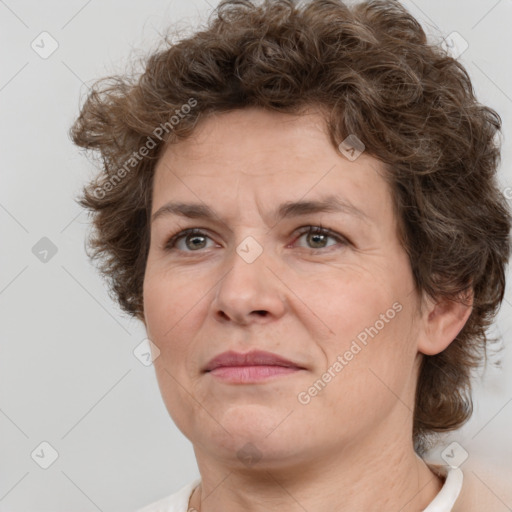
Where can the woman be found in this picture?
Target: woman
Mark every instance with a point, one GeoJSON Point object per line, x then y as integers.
{"type": "Point", "coordinates": [301, 206]}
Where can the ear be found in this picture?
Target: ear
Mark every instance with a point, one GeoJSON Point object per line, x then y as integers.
{"type": "Point", "coordinates": [441, 321]}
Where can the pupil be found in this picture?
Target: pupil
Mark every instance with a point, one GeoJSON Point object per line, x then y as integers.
{"type": "Point", "coordinates": [316, 236]}
{"type": "Point", "coordinates": [196, 237]}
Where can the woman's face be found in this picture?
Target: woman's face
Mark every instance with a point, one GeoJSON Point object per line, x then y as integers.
{"type": "Point", "coordinates": [339, 306]}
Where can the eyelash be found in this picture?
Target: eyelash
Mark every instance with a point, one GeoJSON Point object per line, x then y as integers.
{"type": "Point", "coordinates": [317, 230]}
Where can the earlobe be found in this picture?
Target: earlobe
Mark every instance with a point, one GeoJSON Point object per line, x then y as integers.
{"type": "Point", "coordinates": [442, 321]}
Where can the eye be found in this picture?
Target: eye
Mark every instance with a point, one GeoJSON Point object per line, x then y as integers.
{"type": "Point", "coordinates": [193, 239]}
{"type": "Point", "coordinates": [317, 236]}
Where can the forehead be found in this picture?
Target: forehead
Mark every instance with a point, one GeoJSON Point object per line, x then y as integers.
{"type": "Point", "coordinates": [272, 157]}
{"type": "Point", "coordinates": [251, 136]}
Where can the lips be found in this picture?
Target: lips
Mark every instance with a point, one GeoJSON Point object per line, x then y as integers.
{"type": "Point", "coordinates": [254, 358]}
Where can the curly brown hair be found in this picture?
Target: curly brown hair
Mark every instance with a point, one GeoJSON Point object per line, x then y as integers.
{"type": "Point", "coordinates": [371, 69]}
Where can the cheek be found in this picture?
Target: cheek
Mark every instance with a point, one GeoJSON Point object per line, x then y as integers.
{"type": "Point", "coordinates": [168, 291]}
{"type": "Point", "coordinates": [348, 300]}
{"type": "Point", "coordinates": [369, 363]}
{"type": "Point", "coordinates": [369, 317]}
{"type": "Point", "coordinates": [171, 307]}
{"type": "Point", "coordinates": [170, 301]}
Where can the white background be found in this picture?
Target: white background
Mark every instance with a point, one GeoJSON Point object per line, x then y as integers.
{"type": "Point", "coordinates": [68, 375]}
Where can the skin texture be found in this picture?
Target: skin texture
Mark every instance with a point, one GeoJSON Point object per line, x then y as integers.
{"type": "Point", "coordinates": [305, 298]}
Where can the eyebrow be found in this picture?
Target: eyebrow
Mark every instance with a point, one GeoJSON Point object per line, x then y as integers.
{"type": "Point", "coordinates": [289, 209]}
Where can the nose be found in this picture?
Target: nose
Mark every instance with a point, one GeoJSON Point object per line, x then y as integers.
{"type": "Point", "coordinates": [250, 291]}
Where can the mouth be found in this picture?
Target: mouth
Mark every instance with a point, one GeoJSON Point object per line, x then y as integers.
{"type": "Point", "coordinates": [250, 367]}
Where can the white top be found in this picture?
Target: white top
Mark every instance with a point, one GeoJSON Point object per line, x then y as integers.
{"type": "Point", "coordinates": [443, 502]}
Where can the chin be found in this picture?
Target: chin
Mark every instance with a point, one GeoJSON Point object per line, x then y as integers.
{"type": "Point", "coordinates": [241, 424]}
{"type": "Point", "coordinates": [255, 452]}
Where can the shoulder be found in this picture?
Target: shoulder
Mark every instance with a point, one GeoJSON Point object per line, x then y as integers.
{"type": "Point", "coordinates": [485, 488]}
{"type": "Point", "coordinates": [177, 502]}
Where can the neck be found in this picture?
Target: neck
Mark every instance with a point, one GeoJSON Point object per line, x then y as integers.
{"type": "Point", "coordinates": [376, 477]}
